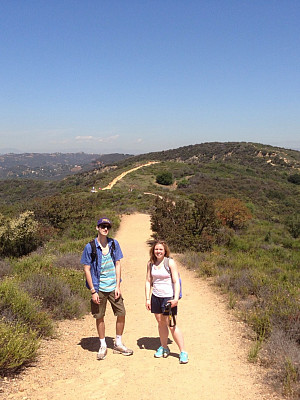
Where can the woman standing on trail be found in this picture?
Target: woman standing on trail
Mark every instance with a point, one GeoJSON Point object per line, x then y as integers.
{"type": "Point", "coordinates": [162, 279]}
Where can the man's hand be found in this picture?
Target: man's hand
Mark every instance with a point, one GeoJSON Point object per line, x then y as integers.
{"type": "Point", "coordinates": [117, 293]}
{"type": "Point", "coordinates": [95, 298]}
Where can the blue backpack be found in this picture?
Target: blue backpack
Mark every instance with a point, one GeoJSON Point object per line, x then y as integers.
{"type": "Point", "coordinates": [166, 265]}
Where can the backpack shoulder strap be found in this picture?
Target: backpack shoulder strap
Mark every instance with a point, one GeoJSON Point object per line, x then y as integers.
{"type": "Point", "coordinates": [94, 250]}
{"type": "Point", "coordinates": [112, 247]}
{"type": "Point", "coordinates": [166, 265]}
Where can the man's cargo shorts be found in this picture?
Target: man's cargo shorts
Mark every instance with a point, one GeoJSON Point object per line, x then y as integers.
{"type": "Point", "coordinates": [117, 305]}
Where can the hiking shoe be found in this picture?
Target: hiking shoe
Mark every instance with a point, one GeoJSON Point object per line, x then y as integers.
{"type": "Point", "coordinates": [166, 352]}
{"type": "Point", "coordinates": [162, 352]}
{"type": "Point", "coordinates": [122, 349]}
{"type": "Point", "coordinates": [102, 353]}
{"type": "Point", "coordinates": [183, 357]}
{"type": "Point", "coordinates": [159, 352]}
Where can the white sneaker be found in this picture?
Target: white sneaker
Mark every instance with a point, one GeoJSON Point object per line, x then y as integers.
{"type": "Point", "coordinates": [102, 353]}
{"type": "Point", "coordinates": [122, 349]}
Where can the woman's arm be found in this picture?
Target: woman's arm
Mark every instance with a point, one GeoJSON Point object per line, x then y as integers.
{"type": "Point", "coordinates": [175, 280]}
{"type": "Point", "coordinates": [148, 285]}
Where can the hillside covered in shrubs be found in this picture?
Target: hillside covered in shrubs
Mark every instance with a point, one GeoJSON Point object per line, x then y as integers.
{"type": "Point", "coordinates": [238, 209]}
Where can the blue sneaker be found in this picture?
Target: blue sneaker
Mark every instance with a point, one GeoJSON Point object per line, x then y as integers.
{"type": "Point", "coordinates": [166, 352]}
{"type": "Point", "coordinates": [183, 357]}
{"type": "Point", "coordinates": [159, 352]}
{"type": "Point", "coordinates": [162, 352]}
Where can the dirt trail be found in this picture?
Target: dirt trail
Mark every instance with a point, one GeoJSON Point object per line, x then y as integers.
{"type": "Point", "coordinates": [121, 176]}
{"type": "Point", "coordinates": [67, 367]}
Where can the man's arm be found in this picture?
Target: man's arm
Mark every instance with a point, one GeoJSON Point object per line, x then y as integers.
{"type": "Point", "coordinates": [88, 276]}
{"type": "Point", "coordinates": [118, 279]}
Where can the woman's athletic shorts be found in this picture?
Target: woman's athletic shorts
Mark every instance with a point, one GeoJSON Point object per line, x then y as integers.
{"type": "Point", "coordinates": [158, 305]}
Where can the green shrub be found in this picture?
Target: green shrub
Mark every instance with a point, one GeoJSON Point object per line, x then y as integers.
{"type": "Point", "coordinates": [293, 225]}
{"type": "Point", "coordinates": [68, 260]}
{"type": "Point", "coordinates": [5, 268]}
{"type": "Point", "coordinates": [260, 322]}
{"type": "Point", "coordinates": [185, 225]}
{"type": "Point", "coordinates": [17, 306]}
{"type": "Point", "coordinates": [59, 210]}
{"type": "Point", "coordinates": [35, 262]}
{"type": "Point", "coordinates": [183, 183]}
{"type": "Point", "coordinates": [71, 246]}
{"type": "Point", "coordinates": [238, 243]}
{"type": "Point", "coordinates": [165, 178]}
{"type": "Point", "coordinates": [55, 295]}
{"type": "Point", "coordinates": [291, 378]}
{"type": "Point", "coordinates": [295, 178]}
{"type": "Point", "coordinates": [18, 346]}
{"type": "Point", "coordinates": [80, 230]}
{"type": "Point", "coordinates": [19, 236]}
{"type": "Point", "coordinates": [192, 260]}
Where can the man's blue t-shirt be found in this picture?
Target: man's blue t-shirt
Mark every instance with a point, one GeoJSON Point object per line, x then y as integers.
{"type": "Point", "coordinates": [86, 259]}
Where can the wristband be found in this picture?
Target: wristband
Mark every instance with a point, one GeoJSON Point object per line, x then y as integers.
{"type": "Point", "coordinates": [94, 292]}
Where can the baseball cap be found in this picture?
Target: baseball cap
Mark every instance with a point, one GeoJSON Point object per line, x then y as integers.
{"type": "Point", "coordinates": [104, 220]}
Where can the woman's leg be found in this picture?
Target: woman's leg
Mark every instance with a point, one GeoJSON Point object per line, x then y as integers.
{"type": "Point", "coordinates": [178, 337]}
{"type": "Point", "coordinates": [163, 331]}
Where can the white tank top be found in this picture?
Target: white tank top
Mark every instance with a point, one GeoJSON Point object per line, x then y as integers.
{"type": "Point", "coordinates": [162, 282]}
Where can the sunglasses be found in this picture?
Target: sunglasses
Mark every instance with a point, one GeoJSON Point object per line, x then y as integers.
{"type": "Point", "coordinates": [105, 226]}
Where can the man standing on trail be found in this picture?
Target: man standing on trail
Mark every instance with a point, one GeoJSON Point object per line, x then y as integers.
{"type": "Point", "coordinates": [101, 260]}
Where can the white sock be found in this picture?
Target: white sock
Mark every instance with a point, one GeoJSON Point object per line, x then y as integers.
{"type": "Point", "coordinates": [103, 343]}
{"type": "Point", "coordinates": [118, 340]}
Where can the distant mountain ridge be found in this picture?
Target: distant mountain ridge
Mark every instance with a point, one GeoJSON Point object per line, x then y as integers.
{"type": "Point", "coordinates": [265, 176]}
{"type": "Point", "coordinates": [241, 152]}
{"type": "Point", "coordinates": [52, 165]}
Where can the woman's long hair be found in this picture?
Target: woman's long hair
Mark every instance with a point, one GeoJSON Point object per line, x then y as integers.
{"type": "Point", "coordinates": [166, 247]}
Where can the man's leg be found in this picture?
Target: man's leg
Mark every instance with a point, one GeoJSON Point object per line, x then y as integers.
{"type": "Point", "coordinates": [100, 327]}
{"type": "Point", "coordinates": [118, 308]}
{"type": "Point", "coordinates": [101, 332]}
{"type": "Point", "coordinates": [120, 323]}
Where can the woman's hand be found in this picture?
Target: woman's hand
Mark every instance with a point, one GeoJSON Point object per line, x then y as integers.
{"type": "Point", "coordinates": [173, 303]}
{"type": "Point", "coordinates": [148, 305]}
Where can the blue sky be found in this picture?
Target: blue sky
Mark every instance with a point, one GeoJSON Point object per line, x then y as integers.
{"type": "Point", "coordinates": [135, 76]}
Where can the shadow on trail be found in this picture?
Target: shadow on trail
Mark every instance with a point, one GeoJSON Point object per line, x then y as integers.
{"type": "Point", "coordinates": [150, 343]}
{"type": "Point", "coordinates": [93, 343]}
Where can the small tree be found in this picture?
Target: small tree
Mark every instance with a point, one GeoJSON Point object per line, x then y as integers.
{"type": "Point", "coordinates": [293, 225]}
{"type": "Point", "coordinates": [295, 178]}
{"type": "Point", "coordinates": [165, 178]}
{"type": "Point", "coordinates": [185, 225]}
{"type": "Point", "coordinates": [19, 236]}
{"type": "Point", "coordinates": [232, 213]}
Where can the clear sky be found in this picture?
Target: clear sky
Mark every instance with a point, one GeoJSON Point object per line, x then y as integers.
{"type": "Point", "coordinates": [135, 76]}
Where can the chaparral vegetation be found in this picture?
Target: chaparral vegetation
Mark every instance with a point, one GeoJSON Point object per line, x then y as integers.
{"type": "Point", "coordinates": [238, 209]}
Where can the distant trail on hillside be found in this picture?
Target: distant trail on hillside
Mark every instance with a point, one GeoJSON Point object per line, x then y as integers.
{"type": "Point", "coordinates": [118, 178]}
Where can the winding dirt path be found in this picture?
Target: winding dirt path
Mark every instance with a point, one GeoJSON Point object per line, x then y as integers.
{"type": "Point", "coordinates": [119, 177]}
{"type": "Point", "coordinates": [67, 367]}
